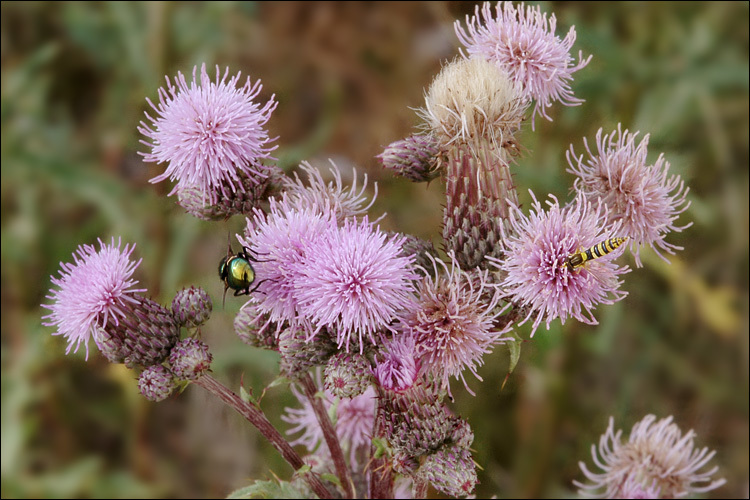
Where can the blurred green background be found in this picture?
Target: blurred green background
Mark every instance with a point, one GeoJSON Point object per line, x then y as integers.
{"type": "Point", "coordinates": [74, 81]}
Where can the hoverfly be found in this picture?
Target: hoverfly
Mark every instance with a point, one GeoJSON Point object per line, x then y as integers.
{"type": "Point", "coordinates": [578, 259]}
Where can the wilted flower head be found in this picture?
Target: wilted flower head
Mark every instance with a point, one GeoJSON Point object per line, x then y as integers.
{"type": "Point", "coordinates": [93, 290]}
{"type": "Point", "coordinates": [280, 239]}
{"type": "Point", "coordinates": [453, 322]}
{"type": "Point", "coordinates": [656, 459]}
{"type": "Point", "coordinates": [210, 133]}
{"type": "Point", "coordinates": [472, 100]}
{"type": "Point", "coordinates": [536, 253]}
{"type": "Point", "coordinates": [642, 197]}
{"type": "Point", "coordinates": [354, 280]}
{"type": "Point", "coordinates": [343, 201]}
{"type": "Point", "coordinates": [521, 40]}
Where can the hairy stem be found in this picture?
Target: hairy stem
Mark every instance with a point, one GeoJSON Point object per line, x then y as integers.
{"type": "Point", "coordinates": [329, 433]}
{"type": "Point", "coordinates": [256, 417]}
{"type": "Point", "coordinates": [420, 488]}
{"type": "Point", "coordinates": [381, 474]}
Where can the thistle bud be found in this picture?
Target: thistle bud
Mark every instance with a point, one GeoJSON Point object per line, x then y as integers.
{"type": "Point", "coordinates": [347, 375]}
{"type": "Point", "coordinates": [450, 470]}
{"type": "Point", "coordinates": [421, 249]}
{"type": "Point", "coordinates": [416, 422]}
{"type": "Point", "coordinates": [236, 201]}
{"type": "Point", "coordinates": [416, 158]}
{"type": "Point", "coordinates": [189, 359]}
{"type": "Point", "coordinates": [143, 336]}
{"type": "Point", "coordinates": [192, 306]}
{"type": "Point", "coordinates": [156, 383]}
{"type": "Point", "coordinates": [255, 328]}
{"type": "Point", "coordinates": [299, 354]}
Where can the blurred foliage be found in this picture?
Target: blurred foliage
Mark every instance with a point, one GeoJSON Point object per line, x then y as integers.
{"type": "Point", "coordinates": [75, 77]}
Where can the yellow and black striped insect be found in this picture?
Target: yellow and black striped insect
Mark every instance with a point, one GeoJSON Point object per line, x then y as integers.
{"type": "Point", "coordinates": [578, 259]}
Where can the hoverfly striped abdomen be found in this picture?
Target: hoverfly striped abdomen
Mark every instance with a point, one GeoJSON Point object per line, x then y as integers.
{"type": "Point", "coordinates": [578, 259]}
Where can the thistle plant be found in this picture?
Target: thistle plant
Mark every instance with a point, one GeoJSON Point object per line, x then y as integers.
{"type": "Point", "coordinates": [371, 327]}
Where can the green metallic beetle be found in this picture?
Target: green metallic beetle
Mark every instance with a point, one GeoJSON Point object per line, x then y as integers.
{"type": "Point", "coordinates": [237, 273]}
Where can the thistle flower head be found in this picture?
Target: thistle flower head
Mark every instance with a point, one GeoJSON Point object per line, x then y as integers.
{"type": "Point", "coordinates": [656, 459]}
{"type": "Point", "coordinates": [355, 419]}
{"type": "Point", "coordinates": [343, 201]}
{"type": "Point", "coordinates": [280, 239]}
{"type": "Point", "coordinates": [472, 101]}
{"type": "Point", "coordinates": [143, 336]}
{"type": "Point", "coordinates": [521, 41]}
{"type": "Point", "coordinates": [453, 322]}
{"type": "Point", "coordinates": [397, 366]}
{"type": "Point", "coordinates": [93, 290]}
{"type": "Point", "coordinates": [535, 270]}
{"type": "Point", "coordinates": [304, 422]}
{"type": "Point", "coordinates": [644, 198]}
{"type": "Point", "coordinates": [354, 282]}
{"type": "Point", "coordinates": [209, 133]}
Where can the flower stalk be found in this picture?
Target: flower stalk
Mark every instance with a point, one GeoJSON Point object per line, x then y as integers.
{"type": "Point", "coordinates": [256, 417]}
{"type": "Point", "coordinates": [380, 472]}
{"type": "Point", "coordinates": [329, 434]}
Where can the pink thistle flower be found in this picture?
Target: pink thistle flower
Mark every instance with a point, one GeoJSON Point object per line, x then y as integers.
{"type": "Point", "coordinates": [643, 197]}
{"type": "Point", "coordinates": [397, 367]}
{"type": "Point", "coordinates": [304, 421]}
{"type": "Point", "coordinates": [521, 40]}
{"type": "Point", "coordinates": [634, 487]}
{"type": "Point", "coordinates": [355, 419]}
{"type": "Point", "coordinates": [343, 201]}
{"type": "Point", "coordinates": [453, 323]}
{"type": "Point", "coordinates": [280, 239]}
{"type": "Point", "coordinates": [354, 281]}
{"type": "Point", "coordinates": [656, 460]}
{"type": "Point", "coordinates": [210, 133]}
{"type": "Point", "coordinates": [354, 423]}
{"type": "Point", "coordinates": [535, 265]}
{"type": "Point", "coordinates": [91, 291]}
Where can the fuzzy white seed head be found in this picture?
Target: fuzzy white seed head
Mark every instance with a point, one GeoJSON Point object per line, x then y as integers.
{"type": "Point", "coordinates": [473, 100]}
